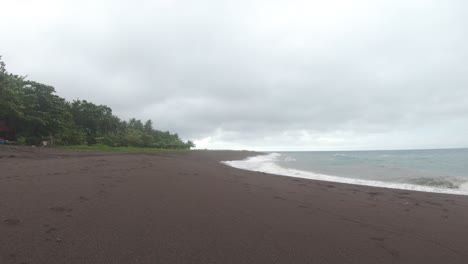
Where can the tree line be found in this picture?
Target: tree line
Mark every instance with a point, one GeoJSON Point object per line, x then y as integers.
{"type": "Point", "coordinates": [37, 114]}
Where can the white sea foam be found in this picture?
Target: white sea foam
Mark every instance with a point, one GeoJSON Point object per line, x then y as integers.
{"type": "Point", "coordinates": [289, 159]}
{"type": "Point", "coordinates": [339, 155]}
{"type": "Point", "coordinates": [266, 163]}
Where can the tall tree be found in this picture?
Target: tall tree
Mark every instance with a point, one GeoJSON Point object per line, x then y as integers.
{"type": "Point", "coordinates": [37, 113]}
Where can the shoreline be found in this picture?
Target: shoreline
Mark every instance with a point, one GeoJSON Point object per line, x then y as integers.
{"type": "Point", "coordinates": [317, 176]}
{"type": "Point", "coordinates": [71, 206]}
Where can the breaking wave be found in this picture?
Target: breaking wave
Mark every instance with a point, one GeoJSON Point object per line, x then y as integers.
{"type": "Point", "coordinates": [268, 164]}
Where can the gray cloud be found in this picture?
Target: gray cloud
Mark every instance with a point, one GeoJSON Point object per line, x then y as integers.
{"type": "Point", "coordinates": [257, 74]}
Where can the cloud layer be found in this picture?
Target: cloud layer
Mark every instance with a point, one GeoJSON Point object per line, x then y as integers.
{"type": "Point", "coordinates": [268, 75]}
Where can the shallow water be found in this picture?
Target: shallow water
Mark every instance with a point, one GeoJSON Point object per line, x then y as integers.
{"type": "Point", "coordinates": [441, 170]}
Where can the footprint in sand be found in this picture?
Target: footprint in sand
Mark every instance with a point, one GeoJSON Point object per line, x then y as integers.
{"type": "Point", "coordinates": [83, 199]}
{"type": "Point", "coordinates": [12, 221]}
{"type": "Point", "coordinates": [14, 257]}
{"type": "Point", "coordinates": [60, 209]}
{"type": "Point", "coordinates": [434, 203]}
{"type": "Point", "coordinates": [279, 198]}
{"type": "Point", "coordinates": [51, 230]}
{"type": "Point", "coordinates": [393, 252]}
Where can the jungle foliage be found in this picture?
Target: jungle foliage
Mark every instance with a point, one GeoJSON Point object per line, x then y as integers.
{"type": "Point", "coordinates": [36, 114]}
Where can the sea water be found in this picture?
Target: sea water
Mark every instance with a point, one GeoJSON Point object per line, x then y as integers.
{"type": "Point", "coordinates": [440, 170]}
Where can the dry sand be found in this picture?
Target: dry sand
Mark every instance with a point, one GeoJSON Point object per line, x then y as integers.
{"type": "Point", "coordinates": [63, 206]}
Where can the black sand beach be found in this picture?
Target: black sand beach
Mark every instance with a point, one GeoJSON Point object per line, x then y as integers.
{"type": "Point", "coordinates": [65, 206]}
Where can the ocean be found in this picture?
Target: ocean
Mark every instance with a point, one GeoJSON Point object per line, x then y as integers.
{"type": "Point", "coordinates": [438, 170]}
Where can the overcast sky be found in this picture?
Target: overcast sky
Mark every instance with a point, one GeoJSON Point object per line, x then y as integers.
{"type": "Point", "coordinates": [263, 75]}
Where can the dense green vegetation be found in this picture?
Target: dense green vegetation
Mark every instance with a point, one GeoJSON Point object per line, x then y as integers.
{"type": "Point", "coordinates": [108, 148]}
{"type": "Point", "coordinates": [37, 114]}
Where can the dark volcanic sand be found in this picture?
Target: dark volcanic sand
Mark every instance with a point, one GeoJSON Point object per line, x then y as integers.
{"type": "Point", "coordinates": [61, 206]}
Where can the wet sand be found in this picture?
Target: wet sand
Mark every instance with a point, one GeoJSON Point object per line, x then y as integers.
{"type": "Point", "coordinates": [65, 206]}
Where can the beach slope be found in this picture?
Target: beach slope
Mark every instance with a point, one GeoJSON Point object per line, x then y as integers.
{"type": "Point", "coordinates": [68, 206]}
